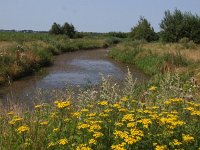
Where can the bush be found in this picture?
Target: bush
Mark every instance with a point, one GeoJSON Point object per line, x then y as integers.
{"type": "Point", "coordinates": [178, 25]}
{"type": "Point", "coordinates": [143, 31]}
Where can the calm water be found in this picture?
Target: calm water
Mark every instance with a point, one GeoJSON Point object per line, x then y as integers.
{"type": "Point", "coordinates": [70, 69]}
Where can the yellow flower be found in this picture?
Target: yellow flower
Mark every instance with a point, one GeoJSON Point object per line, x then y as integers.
{"type": "Point", "coordinates": [161, 147]}
{"type": "Point", "coordinates": [83, 126]}
{"type": "Point", "coordinates": [22, 129]}
{"type": "Point", "coordinates": [38, 106]}
{"type": "Point", "coordinates": [51, 144]}
{"type": "Point", "coordinates": [76, 114]}
{"type": "Point", "coordinates": [83, 147]}
{"type": "Point", "coordinates": [128, 117]}
{"type": "Point", "coordinates": [131, 124]}
{"type": "Point", "coordinates": [15, 120]}
{"type": "Point", "coordinates": [152, 88]}
{"type": "Point", "coordinates": [56, 129]}
{"type": "Point", "coordinates": [44, 123]}
{"type": "Point", "coordinates": [187, 138]}
{"type": "Point", "coordinates": [97, 135]}
{"type": "Point", "coordinates": [118, 146]}
{"type": "Point", "coordinates": [124, 99]}
{"type": "Point", "coordinates": [92, 141]}
{"type": "Point", "coordinates": [119, 124]}
{"type": "Point", "coordinates": [84, 110]}
{"type": "Point", "coordinates": [63, 104]}
{"type": "Point", "coordinates": [62, 141]}
{"type": "Point", "coordinates": [145, 122]}
{"type": "Point", "coordinates": [11, 113]}
{"type": "Point", "coordinates": [103, 103]}
{"type": "Point", "coordinates": [94, 127]}
{"type": "Point", "coordinates": [176, 142]}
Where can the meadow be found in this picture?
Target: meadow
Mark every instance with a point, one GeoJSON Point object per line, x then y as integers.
{"type": "Point", "coordinates": [161, 114]}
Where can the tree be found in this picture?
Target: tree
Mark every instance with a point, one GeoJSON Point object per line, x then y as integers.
{"type": "Point", "coordinates": [69, 30]}
{"type": "Point", "coordinates": [56, 29]}
{"type": "Point", "coordinates": [177, 25]}
{"type": "Point", "coordinates": [143, 30]}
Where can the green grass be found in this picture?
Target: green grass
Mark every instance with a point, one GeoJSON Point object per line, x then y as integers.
{"type": "Point", "coordinates": [149, 60]}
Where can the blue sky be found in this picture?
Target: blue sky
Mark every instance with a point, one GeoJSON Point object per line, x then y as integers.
{"type": "Point", "coordinates": [88, 15]}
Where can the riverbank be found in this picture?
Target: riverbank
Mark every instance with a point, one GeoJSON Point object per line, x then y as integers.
{"type": "Point", "coordinates": [159, 58]}
{"type": "Point", "coordinates": [22, 54]}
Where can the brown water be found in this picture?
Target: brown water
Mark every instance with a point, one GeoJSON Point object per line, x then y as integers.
{"type": "Point", "coordinates": [79, 68]}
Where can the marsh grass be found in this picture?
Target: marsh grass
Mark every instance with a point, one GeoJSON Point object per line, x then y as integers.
{"type": "Point", "coordinates": [22, 54]}
{"type": "Point", "coordinates": [157, 117]}
{"type": "Point", "coordinates": [155, 58]}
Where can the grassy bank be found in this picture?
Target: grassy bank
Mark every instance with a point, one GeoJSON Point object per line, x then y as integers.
{"type": "Point", "coordinates": [157, 118]}
{"type": "Point", "coordinates": [155, 58]}
{"type": "Point", "coordinates": [24, 53]}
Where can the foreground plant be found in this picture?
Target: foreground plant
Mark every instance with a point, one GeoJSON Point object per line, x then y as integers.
{"type": "Point", "coordinates": [106, 122]}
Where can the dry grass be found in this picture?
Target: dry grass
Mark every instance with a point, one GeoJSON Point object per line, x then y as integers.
{"type": "Point", "coordinates": [191, 54]}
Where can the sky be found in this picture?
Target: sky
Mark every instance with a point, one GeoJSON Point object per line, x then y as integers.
{"type": "Point", "coordinates": [88, 15]}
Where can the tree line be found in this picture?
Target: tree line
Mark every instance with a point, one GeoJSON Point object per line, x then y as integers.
{"type": "Point", "coordinates": [66, 29]}
{"type": "Point", "coordinates": [175, 26]}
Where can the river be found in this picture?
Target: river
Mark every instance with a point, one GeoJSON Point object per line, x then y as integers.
{"type": "Point", "coordinates": [74, 69]}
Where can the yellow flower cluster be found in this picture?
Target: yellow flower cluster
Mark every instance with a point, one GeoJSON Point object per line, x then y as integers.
{"type": "Point", "coordinates": [62, 104]}
{"type": "Point", "coordinates": [22, 129]}
{"type": "Point", "coordinates": [15, 120]}
{"type": "Point", "coordinates": [174, 101]}
{"type": "Point", "coordinates": [187, 138]}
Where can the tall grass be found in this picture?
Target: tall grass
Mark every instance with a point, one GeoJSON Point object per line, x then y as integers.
{"type": "Point", "coordinates": [151, 59]}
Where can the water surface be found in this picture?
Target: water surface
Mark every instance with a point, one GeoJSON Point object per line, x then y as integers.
{"type": "Point", "coordinates": [74, 69]}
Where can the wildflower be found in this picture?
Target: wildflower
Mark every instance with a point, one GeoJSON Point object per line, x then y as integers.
{"type": "Point", "coordinates": [63, 141]}
{"type": "Point", "coordinates": [103, 115]}
{"type": "Point", "coordinates": [44, 123]}
{"type": "Point", "coordinates": [161, 147]}
{"type": "Point", "coordinates": [83, 147]}
{"type": "Point", "coordinates": [15, 120]}
{"type": "Point", "coordinates": [195, 113]}
{"type": "Point", "coordinates": [83, 126]}
{"type": "Point", "coordinates": [103, 103]}
{"type": "Point", "coordinates": [92, 141]}
{"type": "Point", "coordinates": [145, 122]}
{"type": "Point", "coordinates": [38, 106]}
{"type": "Point", "coordinates": [53, 115]}
{"type": "Point", "coordinates": [124, 99]}
{"type": "Point", "coordinates": [56, 129]}
{"type": "Point", "coordinates": [173, 101]}
{"type": "Point", "coordinates": [187, 138]}
{"type": "Point", "coordinates": [11, 113]}
{"type": "Point", "coordinates": [94, 127]}
{"type": "Point", "coordinates": [131, 124]}
{"type": "Point", "coordinates": [97, 135]}
{"type": "Point", "coordinates": [176, 142]}
{"type": "Point", "coordinates": [84, 110]}
{"type": "Point", "coordinates": [22, 129]}
{"type": "Point", "coordinates": [152, 88]}
{"type": "Point", "coordinates": [119, 124]}
{"type": "Point", "coordinates": [128, 117]}
{"type": "Point", "coordinates": [107, 110]}
{"type": "Point", "coordinates": [76, 114]}
{"type": "Point", "coordinates": [91, 115]}
{"type": "Point", "coordinates": [63, 104]}
{"type": "Point", "coordinates": [51, 144]}
{"type": "Point", "coordinates": [118, 146]}
{"type": "Point", "coordinates": [27, 142]}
